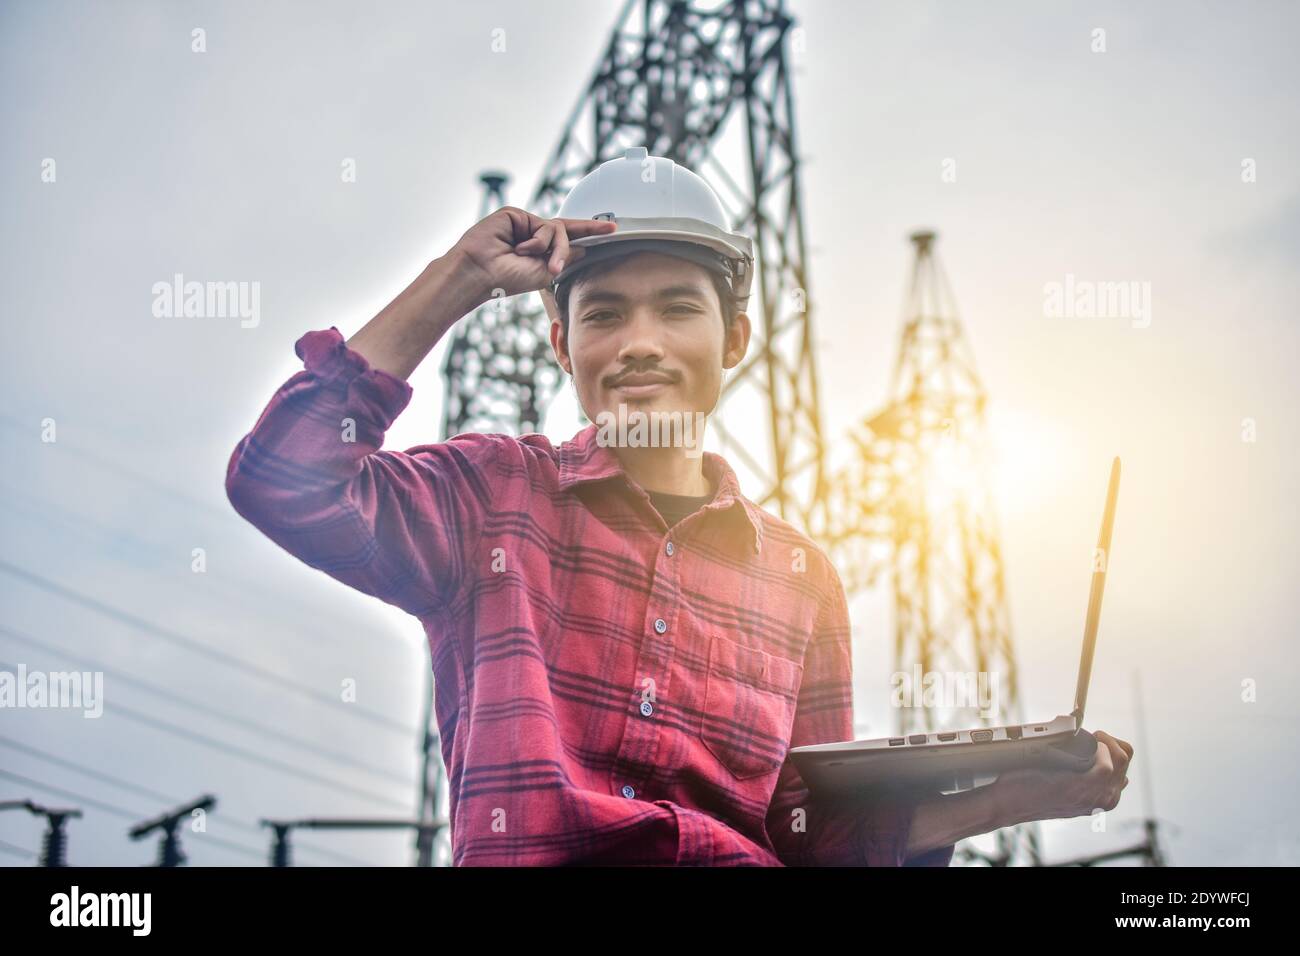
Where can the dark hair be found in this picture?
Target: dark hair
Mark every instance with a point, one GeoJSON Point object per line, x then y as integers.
{"type": "Point", "coordinates": [726, 298]}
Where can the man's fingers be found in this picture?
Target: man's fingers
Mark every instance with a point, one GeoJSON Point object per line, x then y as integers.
{"type": "Point", "coordinates": [551, 240]}
{"type": "Point", "coordinates": [577, 228]}
{"type": "Point", "coordinates": [538, 243]}
{"type": "Point", "coordinates": [548, 233]}
{"type": "Point", "coordinates": [523, 224]}
{"type": "Point", "coordinates": [1118, 758]}
{"type": "Point", "coordinates": [1103, 763]}
{"type": "Point", "coordinates": [1121, 750]}
{"type": "Point", "coordinates": [561, 250]}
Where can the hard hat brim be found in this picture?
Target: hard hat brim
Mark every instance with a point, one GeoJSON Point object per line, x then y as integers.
{"type": "Point", "coordinates": [674, 236]}
{"type": "Point", "coordinates": [679, 230]}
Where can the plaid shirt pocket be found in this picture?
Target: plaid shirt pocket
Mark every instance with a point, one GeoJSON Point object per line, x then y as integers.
{"type": "Point", "coordinates": [749, 706]}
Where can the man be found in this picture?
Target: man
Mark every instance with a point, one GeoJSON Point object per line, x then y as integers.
{"type": "Point", "coordinates": [624, 646]}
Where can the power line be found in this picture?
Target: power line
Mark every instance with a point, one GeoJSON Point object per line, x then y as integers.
{"type": "Point", "coordinates": [14, 850]}
{"type": "Point", "coordinates": [235, 751]}
{"type": "Point", "coordinates": [132, 620]}
{"type": "Point", "coordinates": [181, 701]}
{"type": "Point", "coordinates": [161, 797]}
{"type": "Point", "coordinates": [102, 777]}
{"type": "Point", "coordinates": [111, 465]}
{"type": "Point", "coordinates": [79, 522]}
{"type": "Point", "coordinates": [180, 640]}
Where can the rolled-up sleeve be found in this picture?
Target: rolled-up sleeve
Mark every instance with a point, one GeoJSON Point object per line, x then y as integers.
{"type": "Point", "coordinates": [311, 477]}
{"type": "Point", "coordinates": [819, 831]}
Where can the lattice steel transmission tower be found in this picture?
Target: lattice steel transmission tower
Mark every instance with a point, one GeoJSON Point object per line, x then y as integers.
{"type": "Point", "coordinates": [918, 483]}
{"type": "Point", "coordinates": [949, 586]}
{"type": "Point", "coordinates": [673, 74]}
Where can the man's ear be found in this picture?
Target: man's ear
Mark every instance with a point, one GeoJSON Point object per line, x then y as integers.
{"type": "Point", "coordinates": [560, 346]}
{"type": "Point", "coordinates": [737, 341]}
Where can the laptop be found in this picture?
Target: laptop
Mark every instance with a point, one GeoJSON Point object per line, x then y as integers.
{"type": "Point", "coordinates": [956, 760]}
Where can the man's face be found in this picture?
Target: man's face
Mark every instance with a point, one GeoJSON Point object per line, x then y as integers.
{"type": "Point", "coordinates": [648, 332]}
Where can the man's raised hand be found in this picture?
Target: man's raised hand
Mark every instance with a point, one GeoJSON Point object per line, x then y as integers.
{"type": "Point", "coordinates": [513, 251]}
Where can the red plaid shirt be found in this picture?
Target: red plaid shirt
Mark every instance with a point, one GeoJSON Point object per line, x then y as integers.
{"type": "Point", "coordinates": [610, 691]}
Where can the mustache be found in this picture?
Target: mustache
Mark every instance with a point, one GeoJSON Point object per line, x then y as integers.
{"type": "Point", "coordinates": [621, 377]}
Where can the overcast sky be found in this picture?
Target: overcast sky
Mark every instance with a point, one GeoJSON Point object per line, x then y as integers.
{"type": "Point", "coordinates": [1169, 158]}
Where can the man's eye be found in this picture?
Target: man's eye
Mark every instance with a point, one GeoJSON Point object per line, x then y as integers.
{"type": "Point", "coordinates": [682, 307]}
{"type": "Point", "coordinates": [595, 316]}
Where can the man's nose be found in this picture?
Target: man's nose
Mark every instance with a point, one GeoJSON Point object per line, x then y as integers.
{"type": "Point", "coordinates": [643, 342]}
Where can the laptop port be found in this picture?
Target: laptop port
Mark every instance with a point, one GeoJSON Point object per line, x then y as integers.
{"type": "Point", "coordinates": [947, 737]}
{"type": "Point", "coordinates": [979, 736]}
{"type": "Point", "coordinates": [897, 741]}
{"type": "Point", "coordinates": [917, 739]}
{"type": "Point", "coordinates": [1013, 733]}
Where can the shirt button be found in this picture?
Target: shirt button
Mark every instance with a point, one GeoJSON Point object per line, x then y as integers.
{"type": "Point", "coordinates": [647, 708]}
{"type": "Point", "coordinates": [660, 625]}
{"type": "Point", "coordinates": [628, 792]}
{"type": "Point", "coordinates": [669, 548]}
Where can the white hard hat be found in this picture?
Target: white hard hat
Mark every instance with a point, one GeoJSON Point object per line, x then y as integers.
{"type": "Point", "coordinates": [662, 207]}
